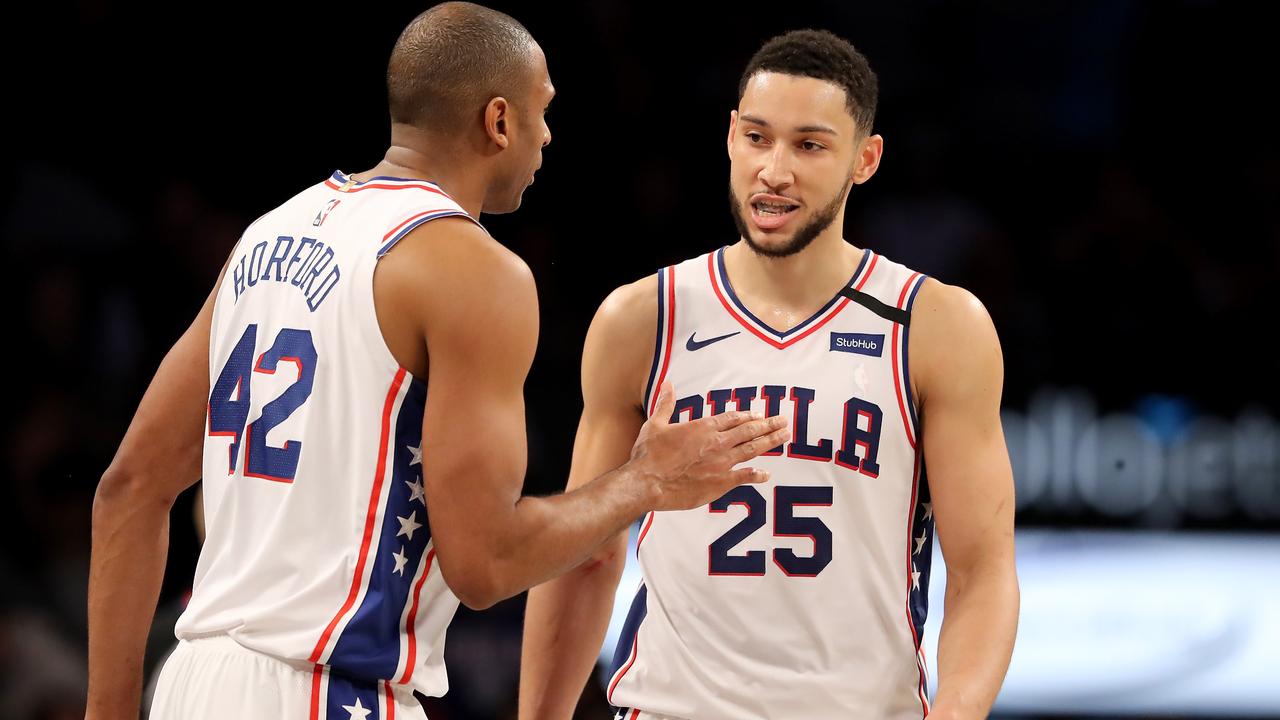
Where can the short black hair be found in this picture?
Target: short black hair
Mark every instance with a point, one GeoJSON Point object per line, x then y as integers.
{"type": "Point", "coordinates": [825, 56]}
{"type": "Point", "coordinates": [451, 60]}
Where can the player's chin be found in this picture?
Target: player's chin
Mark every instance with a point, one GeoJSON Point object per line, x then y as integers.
{"type": "Point", "coordinates": [509, 206]}
{"type": "Point", "coordinates": [772, 240]}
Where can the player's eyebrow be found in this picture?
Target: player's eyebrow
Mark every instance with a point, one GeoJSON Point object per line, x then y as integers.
{"type": "Point", "coordinates": [802, 129]}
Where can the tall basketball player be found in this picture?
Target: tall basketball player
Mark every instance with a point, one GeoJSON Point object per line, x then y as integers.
{"type": "Point", "coordinates": [804, 597]}
{"type": "Point", "coordinates": [351, 393]}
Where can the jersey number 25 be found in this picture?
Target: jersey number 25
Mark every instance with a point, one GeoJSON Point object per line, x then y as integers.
{"type": "Point", "coordinates": [785, 524]}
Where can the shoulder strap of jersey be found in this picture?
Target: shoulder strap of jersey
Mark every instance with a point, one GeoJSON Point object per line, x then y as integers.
{"type": "Point", "coordinates": [415, 202]}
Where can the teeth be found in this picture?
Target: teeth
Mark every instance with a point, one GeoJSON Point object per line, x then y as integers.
{"type": "Point", "coordinates": [772, 208]}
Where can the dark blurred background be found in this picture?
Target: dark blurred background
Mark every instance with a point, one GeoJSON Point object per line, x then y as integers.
{"type": "Point", "coordinates": [1105, 176]}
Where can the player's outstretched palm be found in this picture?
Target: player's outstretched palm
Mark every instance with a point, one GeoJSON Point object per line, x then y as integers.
{"type": "Point", "coordinates": [692, 463]}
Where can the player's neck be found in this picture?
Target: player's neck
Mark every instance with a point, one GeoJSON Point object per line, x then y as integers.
{"type": "Point", "coordinates": [404, 160]}
{"type": "Point", "coordinates": [796, 283]}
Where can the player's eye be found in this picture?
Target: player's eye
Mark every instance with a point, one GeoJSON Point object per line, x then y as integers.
{"type": "Point", "coordinates": [811, 146]}
{"type": "Point", "coordinates": [755, 138]}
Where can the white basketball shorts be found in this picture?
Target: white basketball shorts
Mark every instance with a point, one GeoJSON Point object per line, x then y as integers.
{"type": "Point", "coordinates": [215, 678]}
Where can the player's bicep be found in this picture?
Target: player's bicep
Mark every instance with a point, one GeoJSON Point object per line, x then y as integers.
{"type": "Point", "coordinates": [473, 427]}
{"type": "Point", "coordinates": [970, 477]}
{"type": "Point", "coordinates": [480, 321]}
{"type": "Point", "coordinates": [615, 357]}
{"type": "Point", "coordinates": [615, 354]}
{"type": "Point", "coordinates": [971, 482]}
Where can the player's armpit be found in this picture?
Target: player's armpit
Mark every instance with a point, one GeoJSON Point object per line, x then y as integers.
{"type": "Point", "coordinates": [566, 618]}
{"type": "Point", "coordinates": [957, 364]}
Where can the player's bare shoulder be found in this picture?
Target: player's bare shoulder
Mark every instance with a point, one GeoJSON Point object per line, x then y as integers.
{"type": "Point", "coordinates": [451, 277]}
{"type": "Point", "coordinates": [952, 340]}
{"type": "Point", "coordinates": [620, 344]}
{"type": "Point", "coordinates": [628, 311]}
{"type": "Point", "coordinates": [457, 252]}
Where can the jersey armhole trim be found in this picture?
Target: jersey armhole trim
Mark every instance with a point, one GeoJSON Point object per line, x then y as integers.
{"type": "Point", "coordinates": [665, 334]}
{"type": "Point", "coordinates": [394, 235]}
{"type": "Point", "coordinates": [901, 366]}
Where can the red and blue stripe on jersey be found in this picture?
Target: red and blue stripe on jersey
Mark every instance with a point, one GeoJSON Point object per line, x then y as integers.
{"type": "Point", "coordinates": [336, 696]}
{"type": "Point", "coordinates": [920, 524]}
{"type": "Point", "coordinates": [369, 644]}
{"type": "Point", "coordinates": [624, 655]}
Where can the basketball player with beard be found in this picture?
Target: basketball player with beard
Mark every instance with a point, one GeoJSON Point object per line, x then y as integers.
{"type": "Point", "coordinates": [804, 597]}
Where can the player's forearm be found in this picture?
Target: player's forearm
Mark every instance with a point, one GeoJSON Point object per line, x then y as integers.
{"type": "Point", "coordinates": [977, 638]}
{"type": "Point", "coordinates": [564, 627]}
{"type": "Point", "coordinates": [547, 536]}
{"type": "Point", "coordinates": [130, 544]}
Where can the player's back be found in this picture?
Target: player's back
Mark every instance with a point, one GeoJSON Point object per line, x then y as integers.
{"type": "Point", "coordinates": [318, 548]}
{"type": "Point", "coordinates": [803, 597]}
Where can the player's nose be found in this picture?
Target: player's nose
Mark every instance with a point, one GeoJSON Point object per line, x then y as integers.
{"type": "Point", "coordinates": [776, 171]}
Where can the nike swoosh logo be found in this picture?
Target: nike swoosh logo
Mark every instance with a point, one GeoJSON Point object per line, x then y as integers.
{"type": "Point", "coordinates": [692, 344]}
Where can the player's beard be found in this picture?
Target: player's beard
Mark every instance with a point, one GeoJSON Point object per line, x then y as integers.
{"type": "Point", "coordinates": [805, 235]}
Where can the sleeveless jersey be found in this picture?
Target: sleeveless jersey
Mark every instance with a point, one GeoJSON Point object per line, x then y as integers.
{"type": "Point", "coordinates": [318, 547]}
{"type": "Point", "coordinates": [804, 597]}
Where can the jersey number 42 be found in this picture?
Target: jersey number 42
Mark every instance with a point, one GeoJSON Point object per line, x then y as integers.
{"type": "Point", "coordinates": [230, 400]}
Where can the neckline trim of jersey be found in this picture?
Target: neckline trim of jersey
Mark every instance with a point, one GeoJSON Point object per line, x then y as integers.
{"type": "Point", "coordinates": [721, 277]}
{"type": "Point", "coordinates": [345, 183]}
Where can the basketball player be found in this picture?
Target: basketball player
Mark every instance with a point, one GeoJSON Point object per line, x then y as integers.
{"type": "Point", "coordinates": [804, 597]}
{"type": "Point", "coordinates": [351, 393]}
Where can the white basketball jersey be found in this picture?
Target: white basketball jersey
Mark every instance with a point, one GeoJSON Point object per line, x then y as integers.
{"type": "Point", "coordinates": [804, 597]}
{"type": "Point", "coordinates": [318, 547]}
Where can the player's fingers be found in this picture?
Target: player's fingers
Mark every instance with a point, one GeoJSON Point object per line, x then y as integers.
{"type": "Point", "coordinates": [742, 476]}
{"type": "Point", "coordinates": [753, 448]}
{"type": "Point", "coordinates": [665, 405]}
{"type": "Point", "coordinates": [751, 430]}
{"type": "Point", "coordinates": [727, 420]}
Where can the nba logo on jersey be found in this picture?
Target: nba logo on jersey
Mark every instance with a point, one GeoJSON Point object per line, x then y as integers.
{"type": "Point", "coordinates": [324, 212]}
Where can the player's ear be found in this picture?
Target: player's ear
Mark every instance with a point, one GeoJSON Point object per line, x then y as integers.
{"type": "Point", "coordinates": [733, 124]}
{"type": "Point", "coordinates": [868, 159]}
{"type": "Point", "coordinates": [497, 121]}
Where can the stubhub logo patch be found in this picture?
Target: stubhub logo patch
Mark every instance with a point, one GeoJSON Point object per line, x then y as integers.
{"type": "Point", "coordinates": [858, 343]}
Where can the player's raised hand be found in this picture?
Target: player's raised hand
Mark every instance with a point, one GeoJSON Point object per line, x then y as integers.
{"type": "Point", "coordinates": [690, 464]}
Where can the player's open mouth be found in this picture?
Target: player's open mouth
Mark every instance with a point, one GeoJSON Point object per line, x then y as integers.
{"type": "Point", "coordinates": [771, 212]}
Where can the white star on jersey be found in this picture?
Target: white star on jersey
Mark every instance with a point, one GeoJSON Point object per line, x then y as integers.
{"type": "Point", "coordinates": [618, 716]}
{"type": "Point", "coordinates": [415, 491]}
{"type": "Point", "coordinates": [416, 452]}
{"type": "Point", "coordinates": [928, 510]}
{"type": "Point", "coordinates": [920, 541]}
{"type": "Point", "coordinates": [401, 559]}
{"type": "Point", "coordinates": [915, 577]}
{"type": "Point", "coordinates": [358, 711]}
{"type": "Point", "coordinates": [409, 525]}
